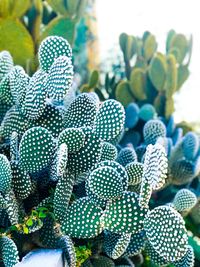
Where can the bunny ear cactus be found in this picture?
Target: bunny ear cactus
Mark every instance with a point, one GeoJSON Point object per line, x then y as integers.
{"type": "Point", "coordinates": [35, 149]}
{"type": "Point", "coordinates": [6, 63]}
{"type": "Point", "coordinates": [152, 130]}
{"type": "Point", "coordinates": [187, 259]}
{"type": "Point", "coordinates": [136, 244]}
{"type": "Point", "coordinates": [165, 230]}
{"type": "Point", "coordinates": [154, 172]}
{"type": "Point", "coordinates": [109, 152]}
{"type": "Point", "coordinates": [109, 121]}
{"type": "Point", "coordinates": [8, 251]}
{"type": "Point", "coordinates": [124, 215]}
{"type": "Point", "coordinates": [81, 112]}
{"type": "Point", "coordinates": [135, 172]}
{"type": "Point", "coordinates": [126, 156]}
{"type": "Point", "coordinates": [82, 219]}
{"type": "Point", "coordinates": [115, 244]}
{"type": "Point", "coordinates": [5, 174]}
{"type": "Point", "coordinates": [184, 200]}
{"type": "Point", "coordinates": [51, 49]}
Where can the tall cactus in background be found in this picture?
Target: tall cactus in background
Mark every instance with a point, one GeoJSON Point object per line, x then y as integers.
{"type": "Point", "coordinates": [154, 77]}
{"type": "Point", "coordinates": [24, 24]}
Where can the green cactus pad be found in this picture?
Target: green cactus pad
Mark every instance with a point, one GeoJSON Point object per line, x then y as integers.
{"type": "Point", "coordinates": [136, 244]}
{"type": "Point", "coordinates": [147, 112]}
{"type": "Point", "coordinates": [5, 93]}
{"type": "Point", "coordinates": [74, 138]}
{"type": "Point", "coordinates": [94, 198]}
{"type": "Point", "coordinates": [119, 169]}
{"type": "Point", "coordinates": [36, 149]}
{"type": "Point", "coordinates": [135, 172]}
{"type": "Point", "coordinates": [21, 181]}
{"type": "Point", "coordinates": [5, 174]}
{"type": "Point", "coordinates": [153, 129]}
{"type": "Point", "coordinates": [3, 203]}
{"type": "Point", "coordinates": [155, 166]}
{"type": "Point", "coordinates": [126, 156]}
{"type": "Point", "coordinates": [17, 40]}
{"type": "Point", "coordinates": [19, 81]}
{"type": "Point", "coordinates": [110, 120]}
{"type": "Point", "coordinates": [83, 219]}
{"type": "Point", "coordinates": [13, 122]}
{"type": "Point", "coordinates": [106, 183]}
{"type": "Point", "coordinates": [60, 78]}
{"type": "Point", "coordinates": [51, 119]}
{"type": "Point", "coordinates": [36, 95]}
{"type": "Point", "coordinates": [9, 252]}
{"type": "Point", "coordinates": [87, 156]}
{"type": "Point", "coordinates": [165, 230]}
{"type": "Point", "coordinates": [184, 200]}
{"type": "Point", "coordinates": [138, 83]}
{"type": "Point", "coordinates": [154, 255]}
{"type": "Point", "coordinates": [12, 208]}
{"type": "Point", "coordinates": [124, 94]}
{"type": "Point", "coordinates": [115, 244]}
{"type": "Point", "coordinates": [109, 152]}
{"type": "Point", "coordinates": [62, 196]}
{"type": "Point", "coordinates": [50, 49]}
{"type": "Point", "coordinates": [81, 112]}
{"type": "Point", "coordinates": [6, 63]}
{"type": "Point", "coordinates": [158, 71]}
{"type": "Point", "coordinates": [124, 215]}
{"type": "Point", "coordinates": [187, 260]}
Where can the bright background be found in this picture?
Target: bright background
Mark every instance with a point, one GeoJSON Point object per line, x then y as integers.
{"type": "Point", "coordinates": [158, 17]}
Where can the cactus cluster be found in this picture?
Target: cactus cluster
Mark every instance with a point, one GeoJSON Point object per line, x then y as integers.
{"type": "Point", "coordinates": [65, 181]}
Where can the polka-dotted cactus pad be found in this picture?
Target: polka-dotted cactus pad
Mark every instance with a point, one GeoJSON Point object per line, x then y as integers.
{"type": "Point", "coordinates": [60, 78]}
{"type": "Point", "coordinates": [35, 99]}
{"type": "Point", "coordinates": [50, 49]}
{"type": "Point", "coordinates": [74, 138]}
{"type": "Point", "coordinates": [135, 172]}
{"type": "Point", "coordinates": [124, 215]}
{"type": "Point", "coordinates": [9, 252]}
{"type": "Point", "coordinates": [184, 200]}
{"type": "Point", "coordinates": [106, 183]}
{"type": "Point", "coordinates": [36, 149]}
{"type": "Point", "coordinates": [5, 174]}
{"type": "Point", "coordinates": [81, 112]}
{"type": "Point", "coordinates": [110, 120]}
{"type": "Point", "coordinates": [83, 219]}
{"type": "Point", "coordinates": [165, 230]}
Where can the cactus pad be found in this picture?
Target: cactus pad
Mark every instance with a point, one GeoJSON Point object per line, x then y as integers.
{"type": "Point", "coordinates": [51, 48]}
{"type": "Point", "coordinates": [36, 149]}
{"type": "Point", "coordinates": [81, 112]}
{"type": "Point", "coordinates": [9, 252]}
{"type": "Point", "coordinates": [126, 156]}
{"type": "Point", "coordinates": [152, 130]}
{"type": "Point", "coordinates": [165, 230]}
{"type": "Point", "coordinates": [5, 174]}
{"type": "Point", "coordinates": [106, 183]}
{"type": "Point", "coordinates": [136, 244]}
{"type": "Point", "coordinates": [184, 200]}
{"type": "Point", "coordinates": [59, 79]}
{"type": "Point", "coordinates": [82, 219]}
{"type": "Point", "coordinates": [74, 138]}
{"type": "Point", "coordinates": [124, 215]}
{"type": "Point", "coordinates": [109, 152]}
{"type": "Point", "coordinates": [135, 172]}
{"type": "Point", "coordinates": [110, 120]}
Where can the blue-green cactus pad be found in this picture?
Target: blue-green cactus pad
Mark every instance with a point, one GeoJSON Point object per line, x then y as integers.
{"type": "Point", "coordinates": [165, 230]}
{"type": "Point", "coordinates": [36, 149]}
{"type": "Point", "coordinates": [74, 138]}
{"type": "Point", "coordinates": [106, 183]}
{"type": "Point", "coordinates": [5, 174]}
{"type": "Point", "coordinates": [124, 215]}
{"type": "Point", "coordinates": [60, 78]}
{"type": "Point", "coordinates": [110, 120]}
{"type": "Point", "coordinates": [82, 219]}
{"type": "Point", "coordinates": [50, 49]}
{"type": "Point", "coordinates": [81, 112]}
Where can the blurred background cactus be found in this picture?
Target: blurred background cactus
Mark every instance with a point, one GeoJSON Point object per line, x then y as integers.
{"type": "Point", "coordinates": [24, 24]}
{"type": "Point", "coordinates": [150, 76]}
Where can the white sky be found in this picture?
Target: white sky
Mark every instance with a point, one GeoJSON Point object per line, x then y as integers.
{"type": "Point", "coordinates": [158, 17]}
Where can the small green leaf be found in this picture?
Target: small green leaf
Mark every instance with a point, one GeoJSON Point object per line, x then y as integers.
{"type": "Point", "coordinates": [29, 222]}
{"type": "Point", "coordinates": [25, 230]}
